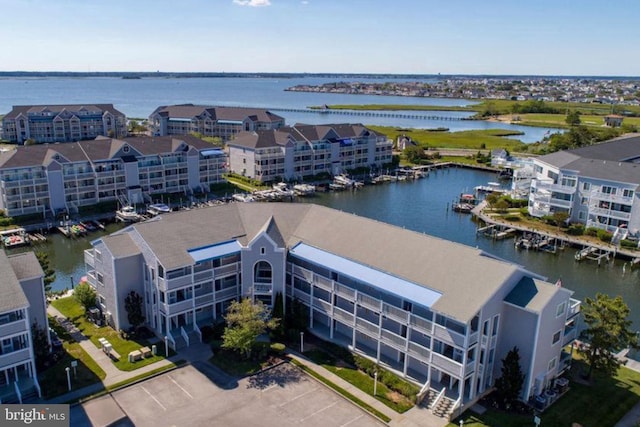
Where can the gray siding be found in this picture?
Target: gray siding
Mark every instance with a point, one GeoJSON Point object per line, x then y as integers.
{"type": "Point", "coordinates": [34, 291]}
{"type": "Point", "coordinates": [129, 272]}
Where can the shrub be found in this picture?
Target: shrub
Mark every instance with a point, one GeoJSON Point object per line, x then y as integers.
{"type": "Point", "coordinates": [576, 229]}
{"type": "Point", "coordinates": [630, 244]}
{"type": "Point", "coordinates": [513, 218]}
{"type": "Point", "coordinates": [591, 231]}
{"type": "Point", "coordinates": [524, 211]}
{"type": "Point", "coordinates": [605, 236]}
{"type": "Point", "coordinates": [277, 348]}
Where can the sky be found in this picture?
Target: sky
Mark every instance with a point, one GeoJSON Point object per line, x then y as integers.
{"type": "Point", "coordinates": [517, 37]}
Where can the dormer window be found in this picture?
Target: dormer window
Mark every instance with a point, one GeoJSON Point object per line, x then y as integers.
{"type": "Point", "coordinates": [125, 149]}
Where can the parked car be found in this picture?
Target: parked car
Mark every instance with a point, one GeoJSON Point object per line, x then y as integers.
{"type": "Point", "coordinates": [56, 343]}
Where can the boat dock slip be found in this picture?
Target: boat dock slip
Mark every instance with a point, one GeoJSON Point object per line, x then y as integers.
{"type": "Point", "coordinates": [593, 253]}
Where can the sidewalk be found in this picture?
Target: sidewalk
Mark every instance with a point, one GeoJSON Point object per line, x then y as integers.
{"type": "Point", "coordinates": [114, 375]}
{"type": "Point", "coordinates": [416, 416]}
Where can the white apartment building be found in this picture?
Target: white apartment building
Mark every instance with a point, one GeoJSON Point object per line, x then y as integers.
{"type": "Point", "coordinates": [294, 152]}
{"type": "Point", "coordinates": [435, 312]}
{"type": "Point", "coordinates": [22, 303]}
{"type": "Point", "coordinates": [49, 178]}
{"type": "Point", "coordinates": [62, 123]}
{"type": "Point", "coordinates": [596, 185]}
{"type": "Point", "coordinates": [221, 122]}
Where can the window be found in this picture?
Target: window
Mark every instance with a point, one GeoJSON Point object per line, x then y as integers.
{"type": "Point", "coordinates": [583, 201]}
{"type": "Point", "coordinates": [262, 251]}
{"type": "Point", "coordinates": [485, 328]}
{"type": "Point", "coordinates": [586, 186]}
{"type": "Point", "coordinates": [556, 337]}
{"type": "Point", "coordinates": [552, 364]}
{"type": "Point", "coordinates": [494, 329]}
{"type": "Point", "coordinates": [560, 309]}
{"type": "Point", "coordinates": [608, 190]}
{"type": "Point", "coordinates": [100, 278]}
{"type": "Point", "coordinates": [627, 193]}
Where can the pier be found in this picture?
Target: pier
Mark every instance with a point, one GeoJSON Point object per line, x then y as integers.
{"type": "Point", "coordinates": [370, 113]}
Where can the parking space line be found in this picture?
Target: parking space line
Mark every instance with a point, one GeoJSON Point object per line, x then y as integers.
{"type": "Point", "coordinates": [181, 388]}
{"type": "Point", "coordinates": [270, 387]}
{"type": "Point", "coordinates": [355, 419]}
{"type": "Point", "coordinates": [318, 411]}
{"type": "Point", "coordinates": [297, 397]}
{"type": "Point", "coordinates": [153, 397]}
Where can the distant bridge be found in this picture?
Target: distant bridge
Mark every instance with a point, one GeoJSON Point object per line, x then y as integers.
{"type": "Point", "coordinates": [369, 113]}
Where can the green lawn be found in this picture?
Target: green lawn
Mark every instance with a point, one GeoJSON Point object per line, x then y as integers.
{"type": "Point", "coordinates": [53, 381]}
{"type": "Point", "coordinates": [603, 403]}
{"type": "Point", "coordinates": [472, 139]}
{"type": "Point", "coordinates": [361, 380]}
{"type": "Point", "coordinates": [75, 312]}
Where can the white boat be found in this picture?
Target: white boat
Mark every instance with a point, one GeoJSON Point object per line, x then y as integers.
{"type": "Point", "coordinates": [239, 197]}
{"type": "Point", "coordinates": [343, 180]}
{"type": "Point", "coordinates": [304, 189]}
{"type": "Point", "coordinates": [128, 214]}
{"type": "Point", "coordinates": [158, 208]}
{"type": "Point", "coordinates": [282, 189]}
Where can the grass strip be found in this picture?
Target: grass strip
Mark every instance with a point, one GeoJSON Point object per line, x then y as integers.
{"type": "Point", "coordinates": [342, 391]}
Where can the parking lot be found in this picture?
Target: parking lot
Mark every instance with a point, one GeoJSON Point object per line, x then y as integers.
{"type": "Point", "coordinates": [188, 397]}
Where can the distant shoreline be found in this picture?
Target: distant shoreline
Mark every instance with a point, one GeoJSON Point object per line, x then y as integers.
{"type": "Point", "coordinates": [152, 74]}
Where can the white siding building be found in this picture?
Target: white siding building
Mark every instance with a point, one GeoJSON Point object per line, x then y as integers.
{"type": "Point", "coordinates": [438, 313]}
{"type": "Point", "coordinates": [596, 185]}
{"type": "Point", "coordinates": [305, 150]}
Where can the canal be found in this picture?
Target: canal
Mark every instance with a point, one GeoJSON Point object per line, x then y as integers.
{"type": "Point", "coordinates": [423, 206]}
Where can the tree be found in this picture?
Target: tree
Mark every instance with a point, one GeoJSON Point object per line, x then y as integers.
{"type": "Point", "coordinates": [607, 331]}
{"type": "Point", "coordinates": [573, 118]}
{"type": "Point", "coordinates": [40, 343]}
{"type": "Point", "coordinates": [560, 217]}
{"type": "Point", "coordinates": [414, 153]}
{"type": "Point", "coordinates": [278, 313]}
{"type": "Point", "coordinates": [85, 295]}
{"type": "Point", "coordinates": [49, 273]}
{"type": "Point", "coordinates": [246, 321]}
{"type": "Point", "coordinates": [133, 305]}
{"type": "Point", "coordinates": [509, 385]}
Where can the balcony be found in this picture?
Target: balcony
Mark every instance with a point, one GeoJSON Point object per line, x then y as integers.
{"type": "Point", "coordinates": [369, 302]}
{"type": "Point", "coordinates": [395, 313]}
{"type": "Point", "coordinates": [322, 305]}
{"type": "Point", "coordinates": [448, 336]}
{"type": "Point", "coordinates": [261, 288]}
{"type": "Point", "coordinates": [343, 316]}
{"type": "Point", "coordinates": [345, 292]}
{"type": "Point", "coordinates": [202, 275]}
{"type": "Point", "coordinates": [225, 269]}
{"type": "Point", "coordinates": [419, 352]}
{"type": "Point", "coordinates": [204, 299]}
{"type": "Point", "coordinates": [13, 327]}
{"type": "Point", "coordinates": [570, 334]}
{"type": "Point", "coordinates": [421, 325]}
{"type": "Point", "coordinates": [367, 328]}
{"type": "Point", "coordinates": [322, 283]}
{"type": "Point", "coordinates": [393, 340]}
{"type": "Point", "coordinates": [448, 365]}
{"type": "Point", "coordinates": [170, 284]}
{"type": "Point", "coordinates": [610, 213]}
{"type": "Point", "coordinates": [15, 357]}
{"type": "Point", "coordinates": [302, 296]}
{"type": "Point", "coordinates": [615, 198]}
{"type": "Point", "coordinates": [178, 307]}
{"type": "Point", "coordinates": [89, 258]}
{"type": "Point", "coordinates": [574, 308]}
{"type": "Point", "coordinates": [225, 294]}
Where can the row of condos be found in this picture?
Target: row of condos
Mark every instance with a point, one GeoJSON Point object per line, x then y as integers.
{"type": "Point", "coordinates": [62, 123]}
{"type": "Point", "coordinates": [595, 185]}
{"type": "Point", "coordinates": [295, 152]}
{"type": "Point", "coordinates": [22, 304]}
{"type": "Point", "coordinates": [49, 178]}
{"type": "Point", "coordinates": [438, 313]}
{"type": "Point", "coordinates": [220, 122]}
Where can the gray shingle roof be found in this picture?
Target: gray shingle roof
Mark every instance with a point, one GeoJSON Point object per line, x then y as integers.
{"type": "Point", "coordinates": [121, 245]}
{"type": "Point", "coordinates": [190, 111]}
{"type": "Point", "coordinates": [11, 295]}
{"type": "Point", "coordinates": [26, 266]}
{"type": "Point", "coordinates": [25, 109]}
{"type": "Point", "coordinates": [465, 276]}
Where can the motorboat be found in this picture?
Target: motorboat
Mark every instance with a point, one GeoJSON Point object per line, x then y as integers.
{"type": "Point", "coordinates": [128, 214]}
{"type": "Point", "coordinates": [158, 208]}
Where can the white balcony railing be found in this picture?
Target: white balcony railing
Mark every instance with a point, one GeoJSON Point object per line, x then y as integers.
{"type": "Point", "coordinates": [574, 308]}
{"type": "Point", "coordinates": [12, 328]}
{"type": "Point", "coordinates": [420, 324]}
{"type": "Point", "coordinates": [448, 336]}
{"type": "Point", "coordinates": [448, 365]}
{"type": "Point", "coordinates": [226, 293]}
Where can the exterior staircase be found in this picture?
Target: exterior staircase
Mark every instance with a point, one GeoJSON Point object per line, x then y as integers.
{"type": "Point", "coordinates": [444, 407]}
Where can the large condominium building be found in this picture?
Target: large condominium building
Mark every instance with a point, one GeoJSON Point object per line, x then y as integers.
{"type": "Point", "coordinates": [293, 152]}
{"type": "Point", "coordinates": [22, 303]}
{"type": "Point", "coordinates": [438, 313]}
{"type": "Point", "coordinates": [221, 122]}
{"type": "Point", "coordinates": [596, 185]}
{"type": "Point", "coordinates": [48, 178]}
{"type": "Point", "coordinates": [62, 123]}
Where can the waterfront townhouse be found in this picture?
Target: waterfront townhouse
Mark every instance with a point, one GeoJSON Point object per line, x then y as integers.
{"type": "Point", "coordinates": [595, 185]}
{"type": "Point", "coordinates": [49, 178]}
{"type": "Point", "coordinates": [295, 152]}
{"type": "Point", "coordinates": [438, 313]}
{"type": "Point", "coordinates": [62, 123]}
{"type": "Point", "coordinates": [22, 303]}
{"type": "Point", "coordinates": [221, 122]}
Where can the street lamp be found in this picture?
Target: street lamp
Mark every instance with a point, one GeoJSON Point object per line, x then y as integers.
{"type": "Point", "coordinates": [68, 377]}
{"type": "Point", "coordinates": [301, 342]}
{"type": "Point", "coordinates": [375, 383]}
{"type": "Point", "coordinates": [166, 346]}
{"type": "Point", "coordinates": [461, 423]}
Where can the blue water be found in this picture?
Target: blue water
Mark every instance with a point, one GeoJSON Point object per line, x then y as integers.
{"type": "Point", "coordinates": [138, 98]}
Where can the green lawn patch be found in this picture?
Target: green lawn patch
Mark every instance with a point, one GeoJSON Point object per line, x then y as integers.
{"type": "Point", "coordinates": [342, 391]}
{"type": "Point", "coordinates": [53, 381]}
{"type": "Point", "coordinates": [488, 139]}
{"type": "Point", "coordinates": [234, 365]}
{"type": "Point", "coordinates": [602, 403]}
{"type": "Point", "coordinates": [70, 308]}
{"type": "Point", "coordinates": [361, 380]}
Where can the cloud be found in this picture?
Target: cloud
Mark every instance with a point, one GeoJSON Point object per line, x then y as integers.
{"type": "Point", "coordinates": [304, 2]}
{"type": "Point", "coordinates": [252, 3]}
